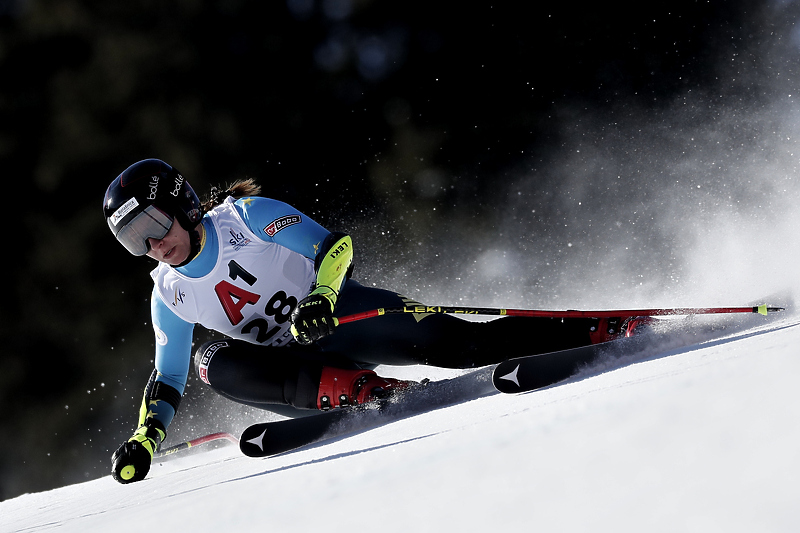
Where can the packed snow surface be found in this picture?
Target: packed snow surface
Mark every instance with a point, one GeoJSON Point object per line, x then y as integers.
{"type": "Point", "coordinates": [704, 438]}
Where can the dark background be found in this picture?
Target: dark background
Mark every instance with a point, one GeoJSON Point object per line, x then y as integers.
{"type": "Point", "coordinates": [387, 119]}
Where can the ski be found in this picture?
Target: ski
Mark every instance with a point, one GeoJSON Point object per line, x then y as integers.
{"type": "Point", "coordinates": [523, 374]}
{"type": "Point", "coordinates": [271, 438]}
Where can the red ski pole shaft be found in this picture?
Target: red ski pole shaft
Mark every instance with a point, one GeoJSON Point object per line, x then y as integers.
{"type": "Point", "coordinates": [761, 309]}
{"type": "Point", "coordinates": [196, 442]}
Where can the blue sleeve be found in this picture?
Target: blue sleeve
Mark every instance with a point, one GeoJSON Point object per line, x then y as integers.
{"type": "Point", "coordinates": [173, 351]}
{"type": "Point", "coordinates": [173, 344]}
{"type": "Point", "coordinates": [278, 222]}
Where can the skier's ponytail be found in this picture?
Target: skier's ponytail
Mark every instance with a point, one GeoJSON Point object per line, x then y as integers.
{"type": "Point", "coordinates": [238, 189]}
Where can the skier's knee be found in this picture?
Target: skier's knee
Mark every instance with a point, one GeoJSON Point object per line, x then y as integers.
{"type": "Point", "coordinates": [204, 355]}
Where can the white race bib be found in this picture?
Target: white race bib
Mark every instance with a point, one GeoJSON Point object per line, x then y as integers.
{"type": "Point", "coordinates": [251, 291]}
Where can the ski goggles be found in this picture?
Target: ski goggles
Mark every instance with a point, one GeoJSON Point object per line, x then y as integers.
{"type": "Point", "coordinates": [150, 223]}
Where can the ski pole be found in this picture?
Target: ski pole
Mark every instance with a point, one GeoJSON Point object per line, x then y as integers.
{"type": "Point", "coordinates": [195, 442]}
{"type": "Point", "coordinates": [458, 310]}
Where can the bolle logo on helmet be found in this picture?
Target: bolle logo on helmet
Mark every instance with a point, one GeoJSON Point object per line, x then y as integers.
{"type": "Point", "coordinates": [153, 188]}
{"type": "Point", "coordinates": [124, 209]}
{"type": "Point", "coordinates": [178, 185]}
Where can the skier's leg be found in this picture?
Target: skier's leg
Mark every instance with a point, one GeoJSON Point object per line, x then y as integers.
{"type": "Point", "coordinates": [443, 340]}
{"type": "Point", "coordinates": [292, 381]}
{"type": "Point", "coordinates": [281, 379]}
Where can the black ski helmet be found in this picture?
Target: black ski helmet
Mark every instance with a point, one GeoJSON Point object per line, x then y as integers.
{"type": "Point", "coordinates": [145, 199]}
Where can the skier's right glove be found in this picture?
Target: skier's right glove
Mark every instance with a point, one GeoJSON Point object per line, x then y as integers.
{"type": "Point", "coordinates": [131, 461]}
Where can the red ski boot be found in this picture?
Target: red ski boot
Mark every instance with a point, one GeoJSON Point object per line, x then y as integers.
{"type": "Point", "coordinates": [638, 324]}
{"type": "Point", "coordinates": [340, 388]}
{"type": "Point", "coordinates": [609, 329]}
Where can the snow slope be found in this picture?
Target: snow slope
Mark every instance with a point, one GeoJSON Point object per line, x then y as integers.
{"type": "Point", "coordinates": [698, 439]}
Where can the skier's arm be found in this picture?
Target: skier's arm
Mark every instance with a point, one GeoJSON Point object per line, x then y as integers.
{"type": "Point", "coordinates": [278, 222]}
{"type": "Point", "coordinates": [312, 319]}
{"type": "Point", "coordinates": [162, 395]}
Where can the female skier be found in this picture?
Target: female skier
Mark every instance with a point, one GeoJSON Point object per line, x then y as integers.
{"type": "Point", "coordinates": [270, 279]}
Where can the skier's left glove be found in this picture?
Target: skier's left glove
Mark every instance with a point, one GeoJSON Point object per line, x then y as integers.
{"type": "Point", "coordinates": [313, 318]}
{"type": "Point", "coordinates": [131, 461]}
